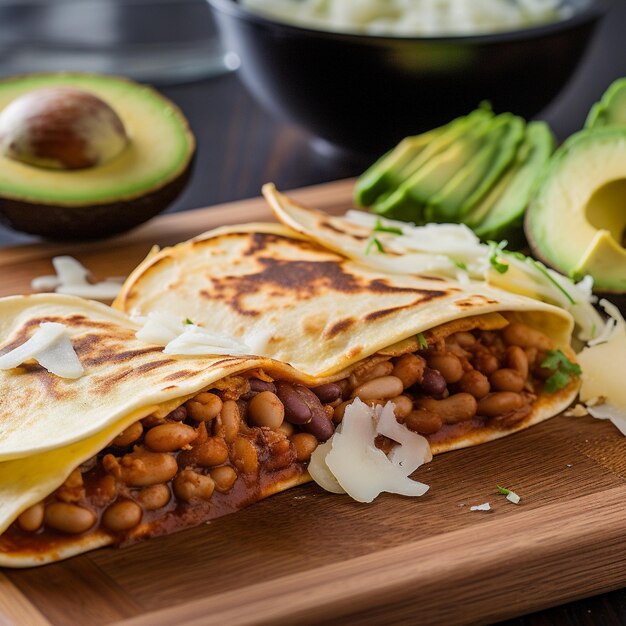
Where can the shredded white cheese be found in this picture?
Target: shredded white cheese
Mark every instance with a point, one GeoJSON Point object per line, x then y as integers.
{"type": "Point", "coordinates": [481, 507]}
{"type": "Point", "coordinates": [351, 462]}
{"type": "Point", "coordinates": [72, 278]}
{"type": "Point", "coordinates": [51, 347]}
{"type": "Point", "coordinates": [183, 337]}
{"type": "Point", "coordinates": [454, 251]}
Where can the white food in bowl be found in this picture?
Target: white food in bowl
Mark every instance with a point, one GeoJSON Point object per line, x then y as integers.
{"type": "Point", "coordinates": [414, 17]}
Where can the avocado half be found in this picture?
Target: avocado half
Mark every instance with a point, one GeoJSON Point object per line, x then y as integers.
{"type": "Point", "coordinates": [577, 220]}
{"type": "Point", "coordinates": [107, 198]}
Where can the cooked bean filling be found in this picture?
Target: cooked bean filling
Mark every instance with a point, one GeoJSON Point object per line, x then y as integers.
{"type": "Point", "coordinates": [226, 447]}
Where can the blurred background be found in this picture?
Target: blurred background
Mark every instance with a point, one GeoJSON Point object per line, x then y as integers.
{"type": "Point", "coordinates": [173, 45]}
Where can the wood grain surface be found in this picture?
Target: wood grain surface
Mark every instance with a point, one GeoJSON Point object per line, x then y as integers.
{"type": "Point", "coordinates": [306, 556]}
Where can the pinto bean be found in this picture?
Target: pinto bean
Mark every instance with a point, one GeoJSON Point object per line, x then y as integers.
{"type": "Point", "coordinates": [69, 518]}
{"type": "Point", "coordinates": [433, 383]}
{"type": "Point", "coordinates": [327, 393]}
{"type": "Point", "coordinates": [204, 412]}
{"type": "Point", "coordinates": [448, 365]}
{"type": "Point", "coordinates": [244, 455]}
{"type": "Point", "coordinates": [128, 435]}
{"type": "Point", "coordinates": [142, 468]}
{"type": "Point", "coordinates": [122, 515]}
{"type": "Point", "coordinates": [516, 359]}
{"type": "Point", "coordinates": [403, 405]}
{"type": "Point", "coordinates": [189, 485]}
{"type": "Point", "coordinates": [367, 371]}
{"type": "Point", "coordinates": [486, 362]}
{"type": "Point", "coordinates": [209, 453]}
{"type": "Point", "coordinates": [31, 519]}
{"type": "Point", "coordinates": [500, 402]}
{"type": "Point", "coordinates": [526, 337]}
{"type": "Point", "coordinates": [339, 411]}
{"type": "Point", "coordinates": [457, 408]}
{"type": "Point", "coordinates": [423, 421]}
{"type": "Point", "coordinates": [266, 409]}
{"type": "Point", "coordinates": [506, 379]}
{"type": "Point", "coordinates": [305, 444]}
{"type": "Point", "coordinates": [169, 437]}
{"type": "Point", "coordinates": [153, 497]}
{"type": "Point", "coordinates": [476, 383]}
{"type": "Point", "coordinates": [224, 478]}
{"type": "Point", "coordinates": [287, 429]}
{"type": "Point", "coordinates": [229, 421]}
{"type": "Point", "coordinates": [409, 368]}
{"type": "Point", "coordinates": [464, 339]}
{"type": "Point", "coordinates": [379, 388]}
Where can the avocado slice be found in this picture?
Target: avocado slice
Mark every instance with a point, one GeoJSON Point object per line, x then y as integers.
{"type": "Point", "coordinates": [611, 110]}
{"type": "Point", "coordinates": [577, 218]}
{"type": "Point", "coordinates": [437, 166]}
{"type": "Point", "coordinates": [141, 178]}
{"type": "Point", "coordinates": [499, 215]}
{"type": "Point", "coordinates": [399, 164]}
{"type": "Point", "coordinates": [459, 195]}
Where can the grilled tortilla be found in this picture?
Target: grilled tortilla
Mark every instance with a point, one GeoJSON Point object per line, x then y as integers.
{"type": "Point", "coordinates": [50, 426]}
{"type": "Point", "coordinates": [323, 313]}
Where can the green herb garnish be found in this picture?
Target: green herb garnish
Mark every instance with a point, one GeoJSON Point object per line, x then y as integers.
{"type": "Point", "coordinates": [460, 265]}
{"type": "Point", "coordinates": [422, 341]}
{"type": "Point", "coordinates": [381, 228]}
{"type": "Point", "coordinates": [188, 321]}
{"type": "Point", "coordinates": [373, 241]}
{"type": "Point", "coordinates": [496, 250]}
{"type": "Point", "coordinates": [503, 490]}
{"type": "Point", "coordinates": [563, 368]}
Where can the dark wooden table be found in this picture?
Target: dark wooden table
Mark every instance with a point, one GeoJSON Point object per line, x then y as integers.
{"type": "Point", "coordinates": [240, 147]}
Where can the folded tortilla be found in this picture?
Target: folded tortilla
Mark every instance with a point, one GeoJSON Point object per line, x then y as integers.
{"type": "Point", "coordinates": [50, 425]}
{"type": "Point", "coordinates": [288, 290]}
{"type": "Point", "coordinates": [311, 315]}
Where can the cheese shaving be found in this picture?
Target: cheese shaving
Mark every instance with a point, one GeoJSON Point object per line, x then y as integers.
{"type": "Point", "coordinates": [183, 337]}
{"type": "Point", "coordinates": [603, 390]}
{"type": "Point", "coordinates": [72, 278]}
{"type": "Point", "coordinates": [350, 460]}
{"type": "Point", "coordinates": [51, 347]}
{"type": "Point", "coordinates": [481, 507]}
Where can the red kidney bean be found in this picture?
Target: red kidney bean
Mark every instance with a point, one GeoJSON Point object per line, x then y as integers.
{"type": "Point", "coordinates": [433, 383]}
{"type": "Point", "coordinates": [257, 385]}
{"type": "Point", "coordinates": [178, 415]}
{"type": "Point", "coordinates": [297, 411]}
{"type": "Point", "coordinates": [327, 393]}
{"type": "Point", "coordinates": [320, 427]}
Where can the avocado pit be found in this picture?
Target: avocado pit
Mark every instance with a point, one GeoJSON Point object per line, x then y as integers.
{"type": "Point", "coordinates": [61, 128]}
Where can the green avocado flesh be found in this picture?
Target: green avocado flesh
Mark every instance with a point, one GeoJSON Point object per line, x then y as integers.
{"type": "Point", "coordinates": [500, 214]}
{"type": "Point", "coordinates": [160, 148]}
{"type": "Point", "coordinates": [577, 219]}
{"type": "Point", "coordinates": [479, 169]}
{"type": "Point", "coordinates": [611, 110]}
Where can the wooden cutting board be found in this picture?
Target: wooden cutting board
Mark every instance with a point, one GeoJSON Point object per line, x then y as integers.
{"type": "Point", "coordinates": [306, 556]}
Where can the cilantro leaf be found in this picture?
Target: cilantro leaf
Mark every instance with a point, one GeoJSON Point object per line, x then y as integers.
{"type": "Point", "coordinates": [563, 368]}
{"type": "Point", "coordinates": [188, 321]}
{"type": "Point", "coordinates": [496, 250]}
{"type": "Point", "coordinates": [381, 228]}
{"type": "Point", "coordinates": [422, 341]}
{"type": "Point", "coordinates": [460, 265]}
{"type": "Point", "coordinates": [503, 490]}
{"type": "Point", "coordinates": [373, 241]}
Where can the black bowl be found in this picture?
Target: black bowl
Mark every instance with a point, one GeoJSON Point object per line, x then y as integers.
{"type": "Point", "coordinates": [365, 92]}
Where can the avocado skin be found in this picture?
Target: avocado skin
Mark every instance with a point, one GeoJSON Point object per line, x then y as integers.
{"type": "Point", "coordinates": [611, 110]}
{"type": "Point", "coordinates": [97, 221]}
{"type": "Point", "coordinates": [535, 230]}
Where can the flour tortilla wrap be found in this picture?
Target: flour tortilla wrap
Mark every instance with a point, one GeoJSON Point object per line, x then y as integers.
{"type": "Point", "coordinates": [310, 306]}
{"type": "Point", "coordinates": [50, 425]}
